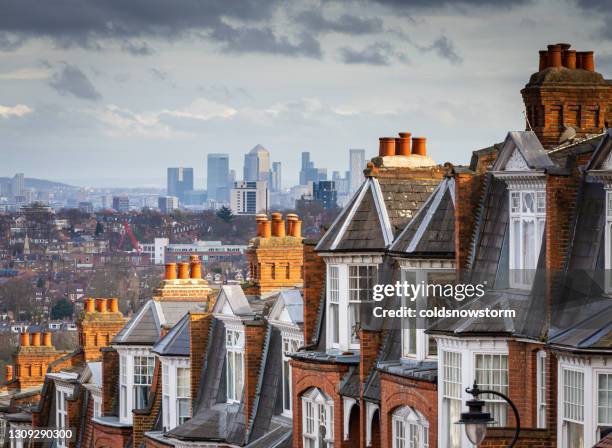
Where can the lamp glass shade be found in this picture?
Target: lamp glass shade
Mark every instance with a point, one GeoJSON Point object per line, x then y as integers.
{"type": "Point", "coordinates": [476, 432]}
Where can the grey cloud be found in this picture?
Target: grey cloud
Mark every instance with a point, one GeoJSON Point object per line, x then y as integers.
{"type": "Point", "coordinates": [142, 49]}
{"type": "Point", "coordinates": [315, 22]}
{"type": "Point", "coordinates": [445, 48]}
{"type": "Point", "coordinates": [71, 80]}
{"type": "Point", "coordinates": [87, 23]}
{"type": "Point", "coordinates": [160, 75]}
{"type": "Point", "coordinates": [437, 4]}
{"type": "Point", "coordinates": [602, 8]}
{"type": "Point", "coordinates": [378, 53]}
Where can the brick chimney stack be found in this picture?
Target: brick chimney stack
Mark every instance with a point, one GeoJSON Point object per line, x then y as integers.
{"type": "Point", "coordinates": [566, 91]}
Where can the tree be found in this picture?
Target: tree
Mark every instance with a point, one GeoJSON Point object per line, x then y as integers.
{"type": "Point", "coordinates": [63, 308]}
{"type": "Point", "coordinates": [225, 214]}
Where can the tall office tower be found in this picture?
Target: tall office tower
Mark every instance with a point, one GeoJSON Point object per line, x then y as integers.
{"type": "Point", "coordinates": [121, 204]}
{"type": "Point", "coordinates": [306, 168]}
{"type": "Point", "coordinates": [180, 180]}
{"type": "Point", "coordinates": [217, 177]}
{"type": "Point", "coordinates": [18, 184]}
{"type": "Point", "coordinates": [325, 192]}
{"type": "Point", "coordinates": [249, 198]}
{"type": "Point", "coordinates": [356, 166]}
{"type": "Point", "coordinates": [257, 165]}
{"type": "Point", "coordinates": [276, 178]}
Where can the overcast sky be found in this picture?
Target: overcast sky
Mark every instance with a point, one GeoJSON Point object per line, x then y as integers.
{"type": "Point", "coordinates": [111, 92]}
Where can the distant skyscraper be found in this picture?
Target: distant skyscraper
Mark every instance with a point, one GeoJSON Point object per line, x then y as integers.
{"type": "Point", "coordinates": [276, 178]}
{"type": "Point", "coordinates": [357, 165]}
{"type": "Point", "coordinates": [325, 192]}
{"type": "Point", "coordinates": [180, 180]}
{"type": "Point", "coordinates": [121, 204]}
{"type": "Point", "coordinates": [257, 165]}
{"type": "Point", "coordinates": [218, 177]}
{"type": "Point", "coordinates": [249, 198]}
{"type": "Point", "coordinates": [309, 173]}
{"type": "Point", "coordinates": [18, 184]}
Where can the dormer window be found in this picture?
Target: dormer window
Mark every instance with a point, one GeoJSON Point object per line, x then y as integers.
{"type": "Point", "coordinates": [348, 285]}
{"type": "Point", "coordinates": [176, 391]}
{"type": "Point", "coordinates": [527, 221]}
{"type": "Point", "coordinates": [135, 379]}
{"type": "Point", "coordinates": [234, 344]}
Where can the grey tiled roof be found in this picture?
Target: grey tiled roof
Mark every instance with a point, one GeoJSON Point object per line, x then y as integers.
{"type": "Point", "coordinates": [418, 370]}
{"type": "Point", "coordinates": [145, 327]}
{"type": "Point", "coordinates": [529, 146]}
{"type": "Point", "coordinates": [432, 231]}
{"type": "Point", "coordinates": [176, 342]}
{"type": "Point", "coordinates": [350, 385]}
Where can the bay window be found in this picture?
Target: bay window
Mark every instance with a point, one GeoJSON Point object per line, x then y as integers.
{"type": "Point", "coordinates": [573, 409]}
{"type": "Point", "coordinates": [176, 391]}
{"type": "Point", "coordinates": [291, 344]}
{"type": "Point", "coordinates": [410, 429]}
{"type": "Point", "coordinates": [135, 378]}
{"type": "Point", "coordinates": [348, 286]}
{"type": "Point", "coordinates": [234, 344]}
{"type": "Point", "coordinates": [491, 372]}
{"type": "Point", "coordinates": [608, 242]}
{"type": "Point", "coordinates": [451, 399]}
{"type": "Point", "coordinates": [317, 420]}
{"type": "Point", "coordinates": [527, 220]}
{"type": "Point", "coordinates": [604, 403]}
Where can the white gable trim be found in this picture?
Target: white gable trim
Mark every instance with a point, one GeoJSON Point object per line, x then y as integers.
{"type": "Point", "coordinates": [381, 208]}
{"type": "Point", "coordinates": [516, 162]}
{"type": "Point", "coordinates": [426, 220]}
{"type": "Point", "coordinates": [136, 319]}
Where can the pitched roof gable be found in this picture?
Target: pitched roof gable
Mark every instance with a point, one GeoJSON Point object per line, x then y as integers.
{"type": "Point", "coordinates": [176, 342]}
{"type": "Point", "coordinates": [522, 151]}
{"type": "Point", "coordinates": [232, 301]}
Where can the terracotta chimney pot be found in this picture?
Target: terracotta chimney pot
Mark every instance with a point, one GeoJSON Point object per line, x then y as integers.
{"type": "Point", "coordinates": [90, 306]}
{"type": "Point", "coordinates": [9, 372]}
{"type": "Point", "coordinates": [554, 56]}
{"type": "Point", "coordinates": [419, 146]}
{"type": "Point", "coordinates": [386, 146]}
{"type": "Point", "coordinates": [183, 270]}
{"type": "Point", "coordinates": [101, 305]}
{"type": "Point", "coordinates": [260, 218]}
{"type": "Point", "coordinates": [570, 59]}
{"type": "Point", "coordinates": [543, 60]}
{"type": "Point", "coordinates": [579, 59]}
{"type": "Point", "coordinates": [266, 228]}
{"type": "Point", "coordinates": [24, 339]}
{"type": "Point", "coordinates": [402, 145]}
{"type": "Point", "coordinates": [291, 218]}
{"type": "Point", "coordinates": [170, 271]}
{"type": "Point", "coordinates": [588, 61]}
{"type": "Point", "coordinates": [296, 229]}
{"type": "Point", "coordinates": [36, 339]}
{"type": "Point", "coordinates": [114, 305]}
{"type": "Point", "coordinates": [196, 267]}
{"type": "Point", "coordinates": [47, 340]}
{"type": "Point", "coordinates": [278, 225]}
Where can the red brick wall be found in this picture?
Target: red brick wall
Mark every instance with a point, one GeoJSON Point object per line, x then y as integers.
{"type": "Point", "coordinates": [109, 436]}
{"type": "Point", "coordinates": [397, 391]}
{"type": "Point", "coordinates": [314, 281]}
{"type": "Point", "coordinates": [199, 325]}
{"type": "Point", "coordinates": [274, 257]}
{"type": "Point", "coordinates": [467, 192]}
{"type": "Point", "coordinates": [522, 373]}
{"type": "Point", "coordinates": [110, 380]}
{"type": "Point", "coordinates": [88, 429]}
{"type": "Point", "coordinates": [255, 333]}
{"type": "Point", "coordinates": [529, 438]}
{"type": "Point", "coordinates": [369, 347]}
{"type": "Point", "coordinates": [325, 377]}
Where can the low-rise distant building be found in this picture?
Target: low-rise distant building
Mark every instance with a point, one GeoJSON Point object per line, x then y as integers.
{"type": "Point", "coordinates": [167, 204]}
{"type": "Point", "coordinates": [325, 192]}
{"type": "Point", "coordinates": [249, 198]}
{"type": "Point", "coordinates": [121, 204]}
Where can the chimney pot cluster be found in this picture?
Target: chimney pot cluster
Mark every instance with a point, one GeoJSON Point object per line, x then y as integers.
{"type": "Point", "coordinates": [186, 270]}
{"type": "Point", "coordinates": [35, 341]}
{"type": "Point", "coordinates": [559, 55]}
{"type": "Point", "coordinates": [101, 305]}
{"type": "Point", "coordinates": [404, 145]}
{"type": "Point", "coordinates": [276, 227]}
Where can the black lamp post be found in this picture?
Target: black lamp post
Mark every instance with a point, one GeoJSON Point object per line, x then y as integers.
{"type": "Point", "coordinates": [476, 421]}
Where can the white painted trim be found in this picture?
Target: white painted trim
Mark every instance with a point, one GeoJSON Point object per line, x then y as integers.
{"type": "Point", "coordinates": [425, 222]}
{"type": "Point", "coordinates": [371, 409]}
{"type": "Point", "coordinates": [348, 404]}
{"type": "Point", "coordinates": [381, 208]}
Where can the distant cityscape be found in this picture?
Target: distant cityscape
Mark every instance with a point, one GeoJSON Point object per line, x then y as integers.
{"type": "Point", "coordinates": [260, 189]}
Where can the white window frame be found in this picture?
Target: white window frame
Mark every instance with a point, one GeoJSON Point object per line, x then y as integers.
{"type": "Point", "coordinates": [450, 381]}
{"type": "Point", "coordinates": [541, 372]}
{"type": "Point", "coordinates": [317, 411]}
{"type": "Point", "coordinates": [127, 389]}
{"type": "Point", "coordinates": [171, 367]}
{"type": "Point", "coordinates": [340, 297]}
{"type": "Point", "coordinates": [183, 394]}
{"type": "Point", "coordinates": [521, 274]}
{"type": "Point", "coordinates": [97, 406]}
{"type": "Point", "coordinates": [234, 352]}
{"type": "Point", "coordinates": [291, 342]}
{"type": "Point", "coordinates": [422, 340]}
{"type": "Point", "coordinates": [608, 409]}
{"type": "Point", "coordinates": [573, 401]}
{"type": "Point", "coordinates": [608, 241]}
{"type": "Point", "coordinates": [61, 412]}
{"type": "Point", "coordinates": [409, 429]}
{"type": "Point", "coordinates": [467, 347]}
{"type": "Point", "coordinates": [499, 381]}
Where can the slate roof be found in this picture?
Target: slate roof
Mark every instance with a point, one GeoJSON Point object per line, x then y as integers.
{"type": "Point", "coordinates": [376, 214]}
{"type": "Point", "coordinates": [292, 302]}
{"type": "Point", "coordinates": [145, 327]}
{"type": "Point", "coordinates": [432, 231]}
{"type": "Point", "coordinates": [234, 296]}
{"type": "Point", "coordinates": [176, 342]}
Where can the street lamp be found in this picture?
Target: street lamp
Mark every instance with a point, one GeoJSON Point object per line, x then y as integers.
{"type": "Point", "coordinates": [476, 421]}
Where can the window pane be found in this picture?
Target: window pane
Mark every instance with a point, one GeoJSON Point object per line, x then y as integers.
{"type": "Point", "coordinates": [528, 202]}
{"type": "Point", "coordinates": [604, 399]}
{"type": "Point", "coordinates": [491, 372]}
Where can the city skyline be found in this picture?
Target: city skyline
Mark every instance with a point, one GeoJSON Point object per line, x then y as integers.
{"type": "Point", "coordinates": [81, 94]}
